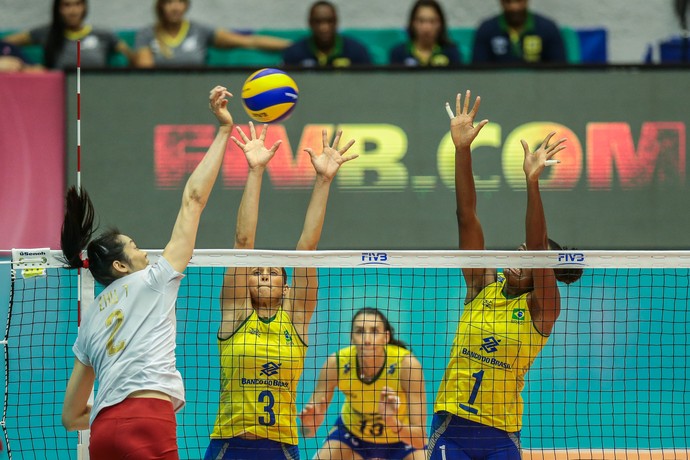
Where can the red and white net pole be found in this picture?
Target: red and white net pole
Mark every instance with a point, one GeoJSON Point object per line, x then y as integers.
{"type": "Point", "coordinates": [84, 280]}
{"type": "Point", "coordinates": [79, 162]}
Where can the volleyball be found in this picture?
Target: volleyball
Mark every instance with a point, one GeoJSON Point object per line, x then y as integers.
{"type": "Point", "coordinates": [269, 95]}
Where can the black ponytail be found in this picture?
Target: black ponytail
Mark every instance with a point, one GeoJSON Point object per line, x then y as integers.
{"type": "Point", "coordinates": [77, 227]}
{"type": "Point", "coordinates": [55, 41]}
{"type": "Point", "coordinates": [386, 324]}
{"type": "Point", "coordinates": [77, 230]}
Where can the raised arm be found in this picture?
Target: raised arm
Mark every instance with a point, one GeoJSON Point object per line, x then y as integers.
{"type": "Point", "coordinates": [545, 299]}
{"type": "Point", "coordinates": [412, 383]}
{"type": "Point", "coordinates": [226, 39]}
{"type": "Point", "coordinates": [305, 280]}
{"type": "Point", "coordinates": [463, 132]}
{"type": "Point", "coordinates": [179, 249]}
{"type": "Point", "coordinates": [235, 304]}
{"type": "Point", "coordinates": [314, 412]}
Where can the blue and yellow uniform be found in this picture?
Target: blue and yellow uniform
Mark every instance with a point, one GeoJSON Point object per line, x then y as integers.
{"type": "Point", "coordinates": [441, 56]}
{"type": "Point", "coordinates": [261, 364]}
{"type": "Point", "coordinates": [360, 412]}
{"type": "Point", "coordinates": [360, 426]}
{"type": "Point", "coordinates": [346, 53]}
{"type": "Point", "coordinates": [494, 347]}
{"type": "Point", "coordinates": [539, 41]}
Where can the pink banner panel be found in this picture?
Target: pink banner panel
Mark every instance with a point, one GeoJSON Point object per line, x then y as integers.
{"type": "Point", "coordinates": [32, 159]}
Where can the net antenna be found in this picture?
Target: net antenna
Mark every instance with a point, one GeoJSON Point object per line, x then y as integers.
{"type": "Point", "coordinates": [85, 283]}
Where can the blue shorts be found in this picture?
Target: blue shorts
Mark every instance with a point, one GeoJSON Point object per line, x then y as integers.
{"type": "Point", "coordinates": [456, 438]}
{"type": "Point", "coordinates": [250, 449]}
{"type": "Point", "coordinates": [393, 451]}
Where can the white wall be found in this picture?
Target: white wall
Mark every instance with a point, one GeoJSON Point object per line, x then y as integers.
{"type": "Point", "coordinates": [632, 24]}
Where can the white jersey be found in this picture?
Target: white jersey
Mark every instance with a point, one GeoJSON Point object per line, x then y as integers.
{"type": "Point", "coordinates": [128, 336]}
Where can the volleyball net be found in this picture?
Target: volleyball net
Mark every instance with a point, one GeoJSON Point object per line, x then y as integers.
{"type": "Point", "coordinates": [612, 381]}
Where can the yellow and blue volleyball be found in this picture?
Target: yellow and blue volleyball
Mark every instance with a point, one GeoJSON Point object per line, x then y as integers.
{"type": "Point", "coordinates": [269, 95]}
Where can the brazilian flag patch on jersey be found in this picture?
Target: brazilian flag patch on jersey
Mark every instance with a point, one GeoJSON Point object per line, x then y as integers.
{"type": "Point", "coordinates": [518, 314]}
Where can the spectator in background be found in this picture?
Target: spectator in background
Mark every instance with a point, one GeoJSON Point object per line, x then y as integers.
{"type": "Point", "coordinates": [429, 45]}
{"type": "Point", "coordinates": [177, 42]}
{"type": "Point", "coordinates": [59, 39]}
{"type": "Point", "coordinates": [325, 47]}
{"type": "Point", "coordinates": [12, 59]}
{"type": "Point", "coordinates": [518, 35]}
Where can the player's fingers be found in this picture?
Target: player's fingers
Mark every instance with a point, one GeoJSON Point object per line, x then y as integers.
{"type": "Point", "coordinates": [275, 146]}
{"type": "Point", "coordinates": [547, 139]}
{"type": "Point", "coordinates": [480, 125]}
{"type": "Point", "coordinates": [252, 130]}
{"type": "Point", "coordinates": [242, 135]}
{"type": "Point", "coordinates": [347, 146]}
{"type": "Point", "coordinates": [306, 409]}
{"type": "Point", "coordinates": [555, 151]}
{"type": "Point", "coordinates": [310, 152]}
{"type": "Point", "coordinates": [466, 105]}
{"type": "Point", "coordinates": [347, 158]}
{"type": "Point", "coordinates": [236, 141]}
{"type": "Point", "coordinates": [558, 143]}
{"type": "Point", "coordinates": [264, 128]}
{"type": "Point", "coordinates": [336, 139]}
{"type": "Point", "coordinates": [525, 147]}
{"type": "Point", "coordinates": [475, 107]}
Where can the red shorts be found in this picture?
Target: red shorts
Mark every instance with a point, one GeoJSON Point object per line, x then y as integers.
{"type": "Point", "coordinates": [136, 428]}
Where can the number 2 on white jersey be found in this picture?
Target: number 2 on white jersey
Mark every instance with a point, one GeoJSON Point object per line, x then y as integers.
{"type": "Point", "coordinates": [114, 321]}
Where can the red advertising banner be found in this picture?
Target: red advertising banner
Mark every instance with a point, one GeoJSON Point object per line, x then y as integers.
{"type": "Point", "coordinates": [32, 159]}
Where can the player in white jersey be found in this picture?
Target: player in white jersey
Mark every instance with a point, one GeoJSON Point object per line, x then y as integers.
{"type": "Point", "coordinates": [126, 340]}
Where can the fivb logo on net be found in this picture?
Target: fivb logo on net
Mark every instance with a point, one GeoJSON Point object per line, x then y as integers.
{"type": "Point", "coordinates": [571, 259]}
{"type": "Point", "coordinates": [375, 258]}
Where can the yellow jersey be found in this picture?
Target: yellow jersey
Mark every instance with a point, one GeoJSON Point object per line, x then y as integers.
{"type": "Point", "coordinates": [261, 364]}
{"type": "Point", "coordinates": [494, 346]}
{"type": "Point", "coordinates": [360, 412]}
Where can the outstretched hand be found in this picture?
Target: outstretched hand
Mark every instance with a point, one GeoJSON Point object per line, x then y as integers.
{"type": "Point", "coordinates": [462, 127]}
{"type": "Point", "coordinates": [389, 404]}
{"type": "Point", "coordinates": [254, 149]}
{"type": "Point", "coordinates": [534, 163]}
{"type": "Point", "coordinates": [327, 163]}
{"type": "Point", "coordinates": [312, 416]}
{"type": "Point", "coordinates": [218, 103]}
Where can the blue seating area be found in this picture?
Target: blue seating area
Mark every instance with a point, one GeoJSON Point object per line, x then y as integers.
{"type": "Point", "coordinates": [582, 46]}
{"type": "Point", "coordinates": [673, 50]}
